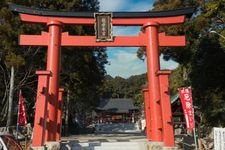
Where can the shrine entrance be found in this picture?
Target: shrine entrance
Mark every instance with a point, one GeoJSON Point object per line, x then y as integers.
{"type": "Point", "coordinates": [47, 122]}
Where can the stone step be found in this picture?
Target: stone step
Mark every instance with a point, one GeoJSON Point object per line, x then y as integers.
{"type": "Point", "coordinates": [108, 146]}
{"type": "Point", "coordinates": [117, 127]}
{"type": "Point", "coordinates": [117, 148]}
{"type": "Point", "coordinates": [106, 143]}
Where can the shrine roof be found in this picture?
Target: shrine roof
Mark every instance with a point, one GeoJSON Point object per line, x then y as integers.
{"type": "Point", "coordinates": [188, 11]}
{"type": "Point", "coordinates": [117, 105]}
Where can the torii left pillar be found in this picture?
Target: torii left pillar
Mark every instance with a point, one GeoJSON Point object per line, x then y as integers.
{"type": "Point", "coordinates": [147, 113]}
{"type": "Point", "coordinates": [41, 108]}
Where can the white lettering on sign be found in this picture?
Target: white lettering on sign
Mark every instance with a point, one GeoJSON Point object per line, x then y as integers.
{"type": "Point", "coordinates": [103, 27]}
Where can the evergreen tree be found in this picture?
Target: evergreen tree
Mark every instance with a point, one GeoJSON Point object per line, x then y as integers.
{"type": "Point", "coordinates": [119, 87]}
{"type": "Point", "coordinates": [202, 60]}
{"type": "Point", "coordinates": [82, 69]}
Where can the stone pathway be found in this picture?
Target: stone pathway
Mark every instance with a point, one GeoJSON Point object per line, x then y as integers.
{"type": "Point", "coordinates": [104, 141]}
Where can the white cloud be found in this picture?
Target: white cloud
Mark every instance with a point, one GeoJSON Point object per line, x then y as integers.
{"type": "Point", "coordinates": [125, 5]}
{"type": "Point", "coordinates": [125, 63]}
{"type": "Point", "coordinates": [171, 65]}
{"type": "Point", "coordinates": [111, 5]}
{"type": "Point", "coordinates": [129, 30]}
{"type": "Point", "coordinates": [141, 6]}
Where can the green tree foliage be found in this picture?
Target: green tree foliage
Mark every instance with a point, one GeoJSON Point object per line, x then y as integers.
{"type": "Point", "coordinates": [207, 63]}
{"type": "Point", "coordinates": [119, 87]}
{"type": "Point", "coordinates": [82, 69]}
{"type": "Point", "coordinates": [14, 55]}
{"type": "Point", "coordinates": [207, 78]}
{"type": "Point", "coordinates": [176, 79]}
{"type": "Point", "coordinates": [202, 60]}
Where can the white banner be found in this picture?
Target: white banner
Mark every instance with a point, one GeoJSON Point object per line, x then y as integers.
{"type": "Point", "coordinates": [219, 138]}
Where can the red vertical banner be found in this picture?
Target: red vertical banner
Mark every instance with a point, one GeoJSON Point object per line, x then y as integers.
{"type": "Point", "coordinates": [187, 105]}
{"type": "Point", "coordinates": [22, 119]}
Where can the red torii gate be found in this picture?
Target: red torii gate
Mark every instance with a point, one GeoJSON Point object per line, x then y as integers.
{"type": "Point", "coordinates": [47, 116]}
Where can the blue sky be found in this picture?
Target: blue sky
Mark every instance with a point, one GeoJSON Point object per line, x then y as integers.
{"type": "Point", "coordinates": [123, 61]}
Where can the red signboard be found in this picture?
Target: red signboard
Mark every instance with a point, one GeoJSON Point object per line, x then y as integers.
{"type": "Point", "coordinates": [186, 101]}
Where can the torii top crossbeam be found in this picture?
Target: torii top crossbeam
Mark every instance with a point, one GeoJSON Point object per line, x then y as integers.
{"type": "Point", "coordinates": [119, 18]}
{"type": "Point", "coordinates": [43, 16]}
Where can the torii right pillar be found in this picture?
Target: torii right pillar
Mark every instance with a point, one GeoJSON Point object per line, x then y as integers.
{"type": "Point", "coordinates": [153, 41]}
{"type": "Point", "coordinates": [153, 79]}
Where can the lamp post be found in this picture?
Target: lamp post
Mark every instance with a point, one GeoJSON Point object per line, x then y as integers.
{"type": "Point", "coordinates": [218, 34]}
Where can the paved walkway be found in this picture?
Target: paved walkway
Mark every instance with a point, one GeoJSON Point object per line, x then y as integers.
{"type": "Point", "coordinates": [132, 141]}
{"type": "Point", "coordinates": [120, 137]}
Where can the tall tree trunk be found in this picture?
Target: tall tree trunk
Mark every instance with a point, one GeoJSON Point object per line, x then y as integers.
{"type": "Point", "coordinates": [185, 76]}
{"type": "Point", "coordinates": [10, 101]}
{"type": "Point", "coordinates": [67, 112]}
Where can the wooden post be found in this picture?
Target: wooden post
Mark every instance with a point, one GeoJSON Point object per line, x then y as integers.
{"type": "Point", "coordinates": [41, 109]}
{"type": "Point", "coordinates": [59, 115]}
{"type": "Point", "coordinates": [147, 113]}
{"type": "Point", "coordinates": [168, 133]}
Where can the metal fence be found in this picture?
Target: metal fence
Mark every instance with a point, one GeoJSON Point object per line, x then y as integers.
{"type": "Point", "coordinates": [219, 138]}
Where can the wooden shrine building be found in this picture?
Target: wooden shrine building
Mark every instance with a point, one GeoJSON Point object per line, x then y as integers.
{"type": "Point", "coordinates": [117, 110]}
